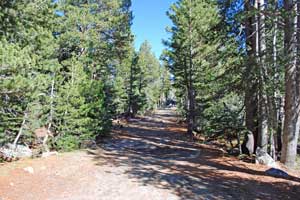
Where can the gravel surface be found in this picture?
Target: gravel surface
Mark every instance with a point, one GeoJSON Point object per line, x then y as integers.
{"type": "Point", "coordinates": [149, 159]}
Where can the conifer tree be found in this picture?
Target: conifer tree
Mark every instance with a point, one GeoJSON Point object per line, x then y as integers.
{"type": "Point", "coordinates": [58, 65]}
{"type": "Point", "coordinates": [191, 55]}
{"type": "Point", "coordinates": [28, 27]}
{"type": "Point", "coordinates": [149, 81]}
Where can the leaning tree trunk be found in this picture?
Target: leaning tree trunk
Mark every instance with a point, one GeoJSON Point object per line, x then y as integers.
{"type": "Point", "coordinates": [20, 131]}
{"type": "Point", "coordinates": [292, 85]}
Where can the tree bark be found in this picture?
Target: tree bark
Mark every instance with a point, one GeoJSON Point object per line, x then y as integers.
{"type": "Point", "coordinates": [292, 84]}
{"type": "Point", "coordinates": [280, 125]}
{"type": "Point", "coordinates": [251, 100]}
{"type": "Point", "coordinates": [191, 91]}
{"type": "Point", "coordinates": [275, 98]}
{"type": "Point", "coordinates": [20, 131]}
{"type": "Point", "coordinates": [130, 112]}
{"type": "Point", "coordinates": [262, 141]}
{"type": "Point", "coordinates": [191, 114]}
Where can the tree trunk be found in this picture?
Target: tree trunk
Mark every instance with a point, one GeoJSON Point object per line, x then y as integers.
{"type": "Point", "coordinates": [275, 98]}
{"type": "Point", "coordinates": [292, 85]}
{"type": "Point", "coordinates": [50, 117]}
{"type": "Point", "coordinates": [262, 141]}
{"type": "Point", "coordinates": [191, 114]}
{"type": "Point", "coordinates": [130, 112]}
{"type": "Point", "coordinates": [272, 146]}
{"type": "Point", "coordinates": [191, 91]}
{"type": "Point", "coordinates": [250, 77]}
{"type": "Point", "coordinates": [280, 125]}
{"type": "Point", "coordinates": [20, 131]}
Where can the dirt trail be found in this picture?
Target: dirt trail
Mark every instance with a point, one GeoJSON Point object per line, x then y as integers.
{"type": "Point", "coordinates": [149, 159]}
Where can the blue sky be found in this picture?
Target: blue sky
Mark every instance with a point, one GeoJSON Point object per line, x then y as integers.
{"type": "Point", "coordinates": [150, 21]}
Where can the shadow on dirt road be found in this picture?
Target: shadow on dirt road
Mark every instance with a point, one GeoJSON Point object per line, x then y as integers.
{"type": "Point", "coordinates": [155, 155]}
{"type": "Point", "coordinates": [149, 159]}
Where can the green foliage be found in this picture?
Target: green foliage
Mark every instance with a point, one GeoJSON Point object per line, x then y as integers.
{"type": "Point", "coordinates": [225, 113]}
{"type": "Point", "coordinates": [70, 67]}
{"type": "Point", "coordinates": [67, 143]}
{"type": "Point", "coordinates": [203, 59]}
{"type": "Point", "coordinates": [58, 64]}
{"type": "Point", "coordinates": [149, 82]}
{"type": "Point", "coordinates": [138, 83]}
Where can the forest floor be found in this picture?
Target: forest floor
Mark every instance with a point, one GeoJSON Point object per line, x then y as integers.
{"type": "Point", "coordinates": [148, 159]}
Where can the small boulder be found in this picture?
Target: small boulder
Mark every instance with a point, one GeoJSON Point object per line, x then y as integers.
{"type": "Point", "coordinates": [264, 158]}
{"type": "Point", "coordinates": [29, 170]}
{"type": "Point", "coordinates": [248, 144]}
{"type": "Point", "coordinates": [51, 153]}
{"type": "Point", "coordinates": [19, 151]}
{"type": "Point", "coordinates": [234, 152]}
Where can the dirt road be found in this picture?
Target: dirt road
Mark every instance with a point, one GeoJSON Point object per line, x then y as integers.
{"type": "Point", "coordinates": [149, 159]}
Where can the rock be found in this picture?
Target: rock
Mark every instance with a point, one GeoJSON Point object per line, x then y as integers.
{"type": "Point", "coordinates": [234, 151]}
{"type": "Point", "coordinates": [29, 170]}
{"type": "Point", "coordinates": [47, 154]}
{"type": "Point", "coordinates": [248, 144]}
{"type": "Point", "coordinates": [277, 173]}
{"type": "Point", "coordinates": [20, 151]}
{"type": "Point", "coordinates": [264, 158]}
{"type": "Point", "coordinates": [164, 183]}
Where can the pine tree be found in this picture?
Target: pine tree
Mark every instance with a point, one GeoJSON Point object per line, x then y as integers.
{"type": "Point", "coordinates": [61, 59]}
{"type": "Point", "coordinates": [28, 28]}
{"type": "Point", "coordinates": [148, 78]}
{"type": "Point", "coordinates": [191, 48]}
